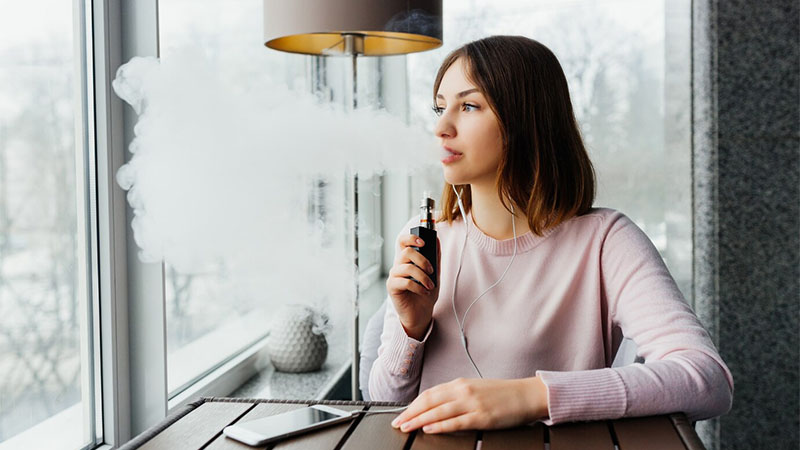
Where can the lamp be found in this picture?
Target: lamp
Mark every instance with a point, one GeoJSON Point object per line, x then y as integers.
{"type": "Point", "coordinates": [381, 27]}
{"type": "Point", "coordinates": [352, 28]}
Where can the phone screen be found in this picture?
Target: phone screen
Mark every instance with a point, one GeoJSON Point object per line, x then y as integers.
{"type": "Point", "coordinates": [285, 423]}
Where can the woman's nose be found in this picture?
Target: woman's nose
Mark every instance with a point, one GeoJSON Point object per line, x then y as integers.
{"type": "Point", "coordinates": [444, 126]}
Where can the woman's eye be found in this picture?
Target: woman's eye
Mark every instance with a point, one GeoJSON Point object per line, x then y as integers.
{"type": "Point", "coordinates": [438, 110]}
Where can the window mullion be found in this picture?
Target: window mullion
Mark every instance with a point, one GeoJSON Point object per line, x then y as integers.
{"type": "Point", "coordinates": [110, 256]}
{"type": "Point", "coordinates": [147, 346]}
{"type": "Point", "coordinates": [132, 319]}
{"type": "Point", "coordinates": [85, 225]}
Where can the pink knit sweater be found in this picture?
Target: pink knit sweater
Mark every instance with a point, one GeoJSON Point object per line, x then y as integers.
{"type": "Point", "coordinates": [560, 313]}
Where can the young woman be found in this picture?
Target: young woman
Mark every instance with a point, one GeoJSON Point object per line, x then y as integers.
{"type": "Point", "coordinates": [536, 287]}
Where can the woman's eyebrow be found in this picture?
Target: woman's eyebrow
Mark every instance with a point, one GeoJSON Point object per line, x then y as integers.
{"type": "Point", "coordinates": [460, 94]}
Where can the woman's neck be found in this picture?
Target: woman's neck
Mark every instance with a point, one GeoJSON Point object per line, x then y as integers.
{"type": "Point", "coordinates": [492, 218]}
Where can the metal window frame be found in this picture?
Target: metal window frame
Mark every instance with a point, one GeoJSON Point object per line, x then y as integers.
{"type": "Point", "coordinates": [132, 397]}
{"type": "Point", "coordinates": [86, 214]}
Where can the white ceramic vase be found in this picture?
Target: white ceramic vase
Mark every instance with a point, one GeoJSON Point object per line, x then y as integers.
{"type": "Point", "coordinates": [292, 344]}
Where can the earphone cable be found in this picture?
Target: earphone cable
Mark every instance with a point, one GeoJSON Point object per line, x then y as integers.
{"type": "Point", "coordinates": [382, 411]}
{"type": "Point", "coordinates": [458, 272]}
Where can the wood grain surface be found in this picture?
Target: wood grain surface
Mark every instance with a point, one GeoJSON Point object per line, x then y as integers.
{"type": "Point", "coordinates": [461, 440]}
{"type": "Point", "coordinates": [199, 427]}
{"type": "Point", "coordinates": [581, 436]}
{"type": "Point", "coordinates": [651, 433]}
{"type": "Point", "coordinates": [261, 410]}
{"type": "Point", "coordinates": [528, 438]}
{"type": "Point", "coordinates": [376, 431]}
{"type": "Point", "coordinates": [685, 430]}
{"type": "Point", "coordinates": [202, 428]}
{"type": "Point", "coordinates": [325, 438]}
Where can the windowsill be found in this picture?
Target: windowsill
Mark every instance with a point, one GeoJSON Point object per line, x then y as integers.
{"type": "Point", "coordinates": [61, 431]}
{"type": "Point", "coordinates": [250, 374]}
{"type": "Point", "coordinates": [272, 384]}
{"type": "Point", "coordinates": [318, 385]}
{"type": "Point", "coordinates": [198, 358]}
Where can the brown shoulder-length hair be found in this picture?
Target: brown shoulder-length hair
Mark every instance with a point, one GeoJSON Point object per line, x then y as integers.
{"type": "Point", "coordinates": [545, 166]}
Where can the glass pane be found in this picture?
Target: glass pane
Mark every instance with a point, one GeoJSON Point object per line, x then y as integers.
{"type": "Point", "coordinates": [369, 223]}
{"type": "Point", "coordinates": [221, 308]}
{"type": "Point", "coordinates": [45, 369]}
{"type": "Point", "coordinates": [627, 64]}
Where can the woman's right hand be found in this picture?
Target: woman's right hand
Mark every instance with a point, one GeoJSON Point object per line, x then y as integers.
{"type": "Point", "coordinates": [412, 301]}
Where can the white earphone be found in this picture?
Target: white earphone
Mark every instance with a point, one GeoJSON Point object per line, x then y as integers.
{"type": "Point", "coordinates": [458, 272]}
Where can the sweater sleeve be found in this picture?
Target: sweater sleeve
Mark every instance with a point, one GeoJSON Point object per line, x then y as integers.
{"type": "Point", "coordinates": [395, 374]}
{"type": "Point", "coordinates": [682, 371]}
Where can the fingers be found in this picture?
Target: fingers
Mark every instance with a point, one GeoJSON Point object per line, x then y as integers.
{"type": "Point", "coordinates": [428, 399]}
{"type": "Point", "coordinates": [462, 422]}
{"type": "Point", "coordinates": [408, 253]}
{"type": "Point", "coordinates": [410, 270]}
{"type": "Point", "coordinates": [416, 273]}
{"type": "Point", "coordinates": [437, 414]}
{"type": "Point", "coordinates": [411, 240]}
{"type": "Point", "coordinates": [398, 284]}
{"type": "Point", "coordinates": [469, 404]}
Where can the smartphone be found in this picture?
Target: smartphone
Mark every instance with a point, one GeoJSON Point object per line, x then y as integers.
{"type": "Point", "coordinates": [274, 428]}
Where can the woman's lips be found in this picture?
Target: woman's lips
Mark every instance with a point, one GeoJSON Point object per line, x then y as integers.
{"type": "Point", "coordinates": [452, 158]}
{"type": "Point", "coordinates": [449, 155]}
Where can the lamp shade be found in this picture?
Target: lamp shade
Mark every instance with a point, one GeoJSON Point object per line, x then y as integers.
{"type": "Point", "coordinates": [388, 27]}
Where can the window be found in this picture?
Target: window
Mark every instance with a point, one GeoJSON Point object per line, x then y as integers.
{"type": "Point", "coordinates": [47, 390]}
{"type": "Point", "coordinates": [627, 65]}
{"type": "Point", "coordinates": [210, 315]}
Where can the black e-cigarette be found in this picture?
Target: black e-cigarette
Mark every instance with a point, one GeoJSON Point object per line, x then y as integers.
{"type": "Point", "coordinates": [427, 233]}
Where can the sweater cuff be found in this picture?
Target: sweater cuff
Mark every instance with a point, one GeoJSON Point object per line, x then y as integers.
{"type": "Point", "coordinates": [584, 395]}
{"type": "Point", "coordinates": [404, 357]}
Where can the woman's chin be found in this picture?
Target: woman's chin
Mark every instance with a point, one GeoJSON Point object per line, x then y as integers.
{"type": "Point", "coordinates": [456, 181]}
{"type": "Point", "coordinates": [454, 177]}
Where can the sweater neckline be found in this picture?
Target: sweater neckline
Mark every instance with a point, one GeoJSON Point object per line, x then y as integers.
{"type": "Point", "coordinates": [525, 242]}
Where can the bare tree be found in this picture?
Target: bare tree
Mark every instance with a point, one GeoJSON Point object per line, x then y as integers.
{"type": "Point", "coordinates": [39, 326]}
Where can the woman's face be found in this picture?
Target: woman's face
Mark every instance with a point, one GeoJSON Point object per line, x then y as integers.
{"type": "Point", "coordinates": [467, 126]}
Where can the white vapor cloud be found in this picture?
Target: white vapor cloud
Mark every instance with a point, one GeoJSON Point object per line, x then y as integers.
{"type": "Point", "coordinates": [217, 174]}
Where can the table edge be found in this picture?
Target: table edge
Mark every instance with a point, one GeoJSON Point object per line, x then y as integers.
{"type": "Point", "coordinates": [154, 430]}
{"type": "Point", "coordinates": [686, 432]}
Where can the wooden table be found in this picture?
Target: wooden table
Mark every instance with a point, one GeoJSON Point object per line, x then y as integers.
{"type": "Point", "coordinates": [199, 426]}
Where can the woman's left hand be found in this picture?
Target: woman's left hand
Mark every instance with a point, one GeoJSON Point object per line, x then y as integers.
{"type": "Point", "coordinates": [475, 404]}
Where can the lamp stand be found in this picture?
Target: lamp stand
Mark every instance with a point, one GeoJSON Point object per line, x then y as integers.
{"type": "Point", "coordinates": [353, 46]}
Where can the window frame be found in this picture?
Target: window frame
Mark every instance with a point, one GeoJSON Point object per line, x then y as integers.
{"type": "Point", "coordinates": [133, 359]}
{"type": "Point", "coordinates": [107, 133]}
{"type": "Point", "coordinates": [90, 406]}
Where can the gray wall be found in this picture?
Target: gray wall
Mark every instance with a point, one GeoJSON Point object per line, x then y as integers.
{"type": "Point", "coordinates": [746, 151]}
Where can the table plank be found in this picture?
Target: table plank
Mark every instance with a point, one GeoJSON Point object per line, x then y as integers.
{"type": "Point", "coordinates": [198, 427]}
{"type": "Point", "coordinates": [376, 431]}
{"type": "Point", "coordinates": [685, 430]}
{"type": "Point", "coordinates": [323, 439]}
{"type": "Point", "coordinates": [651, 433]}
{"type": "Point", "coordinates": [580, 436]}
{"type": "Point", "coordinates": [460, 440]}
{"type": "Point", "coordinates": [527, 438]}
{"type": "Point", "coordinates": [223, 442]}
